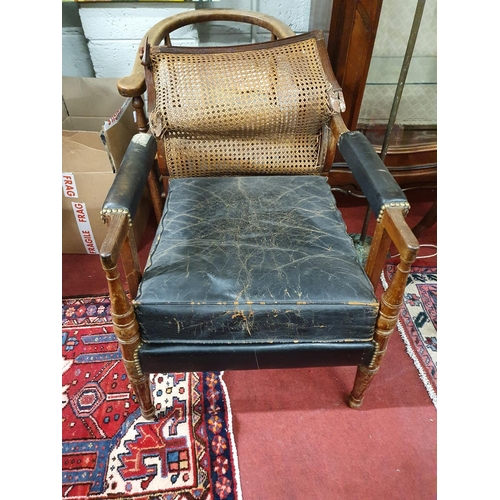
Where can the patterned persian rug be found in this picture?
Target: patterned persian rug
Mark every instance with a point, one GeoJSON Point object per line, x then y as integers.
{"type": "Point", "coordinates": [417, 323]}
{"type": "Point", "coordinates": [110, 451]}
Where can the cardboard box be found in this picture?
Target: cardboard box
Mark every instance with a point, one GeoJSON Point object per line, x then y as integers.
{"type": "Point", "coordinates": [97, 126]}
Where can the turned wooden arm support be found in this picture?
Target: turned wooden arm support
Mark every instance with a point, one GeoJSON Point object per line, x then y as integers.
{"type": "Point", "coordinates": [135, 85]}
{"type": "Point", "coordinates": [118, 230]}
{"type": "Point", "coordinates": [394, 223]}
{"type": "Point", "coordinates": [391, 228]}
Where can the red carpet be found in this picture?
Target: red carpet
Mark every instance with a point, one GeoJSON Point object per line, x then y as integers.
{"type": "Point", "coordinates": [110, 451]}
{"type": "Point", "coordinates": [297, 438]}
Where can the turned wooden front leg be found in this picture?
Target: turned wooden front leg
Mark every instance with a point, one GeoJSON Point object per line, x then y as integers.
{"type": "Point", "coordinates": [125, 323]}
{"type": "Point", "coordinates": [390, 303]}
{"type": "Point", "coordinates": [126, 330]}
{"type": "Point", "coordinates": [386, 322]}
{"type": "Point", "coordinates": [385, 326]}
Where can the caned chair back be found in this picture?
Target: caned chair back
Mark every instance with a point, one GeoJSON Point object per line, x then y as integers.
{"type": "Point", "coordinates": [255, 109]}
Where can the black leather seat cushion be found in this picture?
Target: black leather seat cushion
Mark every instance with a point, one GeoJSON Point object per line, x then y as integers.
{"type": "Point", "coordinates": [253, 260]}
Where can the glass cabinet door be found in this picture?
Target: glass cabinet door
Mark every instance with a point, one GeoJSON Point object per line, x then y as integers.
{"type": "Point", "coordinates": [415, 128]}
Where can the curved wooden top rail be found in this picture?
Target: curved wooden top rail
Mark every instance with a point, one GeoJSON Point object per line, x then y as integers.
{"type": "Point", "coordinates": [135, 85]}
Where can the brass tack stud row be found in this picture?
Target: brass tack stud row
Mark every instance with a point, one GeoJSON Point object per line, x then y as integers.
{"type": "Point", "coordinates": [110, 211]}
{"type": "Point", "coordinates": [402, 204]}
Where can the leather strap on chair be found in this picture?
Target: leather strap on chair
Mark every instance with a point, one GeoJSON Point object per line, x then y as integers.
{"type": "Point", "coordinates": [126, 190]}
{"type": "Point", "coordinates": [376, 182]}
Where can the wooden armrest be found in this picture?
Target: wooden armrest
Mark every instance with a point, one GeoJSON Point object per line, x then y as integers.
{"type": "Point", "coordinates": [391, 228]}
{"type": "Point", "coordinates": [400, 234]}
{"type": "Point", "coordinates": [118, 229]}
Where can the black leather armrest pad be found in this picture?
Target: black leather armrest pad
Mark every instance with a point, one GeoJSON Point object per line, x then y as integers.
{"type": "Point", "coordinates": [126, 190]}
{"type": "Point", "coordinates": [373, 177]}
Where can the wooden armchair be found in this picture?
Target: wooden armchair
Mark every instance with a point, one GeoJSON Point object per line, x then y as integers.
{"type": "Point", "coordinates": [251, 267]}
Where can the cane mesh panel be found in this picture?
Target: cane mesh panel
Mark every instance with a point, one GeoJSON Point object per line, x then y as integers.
{"type": "Point", "coordinates": [242, 113]}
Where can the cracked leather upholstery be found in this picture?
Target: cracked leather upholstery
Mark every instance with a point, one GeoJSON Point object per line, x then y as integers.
{"type": "Point", "coordinates": [253, 260]}
{"type": "Point", "coordinates": [375, 180]}
{"type": "Point", "coordinates": [128, 185]}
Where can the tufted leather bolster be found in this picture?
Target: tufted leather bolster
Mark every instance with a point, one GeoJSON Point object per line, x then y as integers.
{"type": "Point", "coordinates": [126, 190]}
{"type": "Point", "coordinates": [376, 182]}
